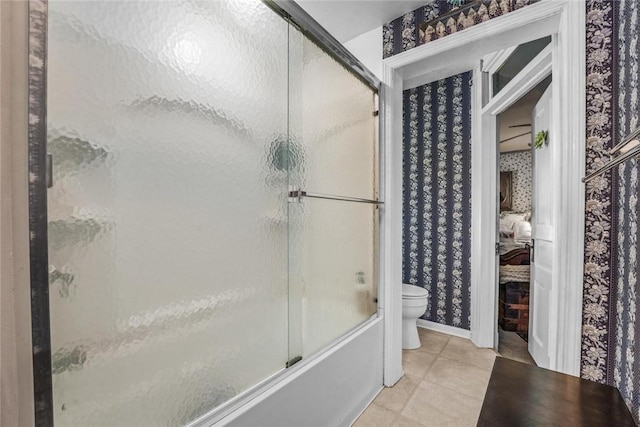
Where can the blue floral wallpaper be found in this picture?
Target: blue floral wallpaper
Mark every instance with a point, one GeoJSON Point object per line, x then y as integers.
{"type": "Point", "coordinates": [610, 333]}
{"type": "Point", "coordinates": [598, 269]}
{"type": "Point", "coordinates": [519, 163]}
{"type": "Point", "coordinates": [440, 18]}
{"type": "Point", "coordinates": [437, 196]}
{"type": "Point", "coordinates": [626, 368]}
{"type": "Point", "coordinates": [437, 142]}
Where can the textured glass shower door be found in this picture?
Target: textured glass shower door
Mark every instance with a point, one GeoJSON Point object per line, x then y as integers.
{"type": "Point", "coordinates": [167, 123]}
{"type": "Point", "coordinates": [332, 240]}
{"type": "Point", "coordinates": [182, 271]}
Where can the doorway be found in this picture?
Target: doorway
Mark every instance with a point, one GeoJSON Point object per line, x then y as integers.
{"type": "Point", "coordinates": [516, 150]}
{"type": "Point", "coordinates": [519, 97]}
{"type": "Point", "coordinates": [457, 53]}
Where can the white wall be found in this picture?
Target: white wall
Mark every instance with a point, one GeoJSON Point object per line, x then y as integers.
{"type": "Point", "coordinates": [367, 48]}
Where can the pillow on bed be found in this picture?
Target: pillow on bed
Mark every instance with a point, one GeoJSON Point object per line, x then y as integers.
{"type": "Point", "coordinates": [509, 219]}
{"type": "Point", "coordinates": [507, 234]}
{"type": "Point", "coordinates": [522, 232]}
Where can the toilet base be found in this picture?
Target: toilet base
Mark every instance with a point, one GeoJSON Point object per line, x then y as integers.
{"type": "Point", "coordinates": [410, 338]}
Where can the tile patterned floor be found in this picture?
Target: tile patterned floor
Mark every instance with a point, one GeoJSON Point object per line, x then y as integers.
{"type": "Point", "coordinates": [444, 385]}
{"type": "Point", "coordinates": [511, 346]}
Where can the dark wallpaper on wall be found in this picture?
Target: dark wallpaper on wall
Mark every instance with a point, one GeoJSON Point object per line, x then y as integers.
{"type": "Point", "coordinates": [611, 313]}
{"type": "Point", "coordinates": [440, 19]}
{"type": "Point", "coordinates": [597, 289]}
{"type": "Point", "coordinates": [626, 341]}
{"type": "Point", "coordinates": [519, 163]}
{"type": "Point", "coordinates": [611, 308]}
{"type": "Point", "coordinates": [437, 196]}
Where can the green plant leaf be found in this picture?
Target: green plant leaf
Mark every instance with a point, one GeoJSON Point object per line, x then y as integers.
{"type": "Point", "coordinates": [541, 138]}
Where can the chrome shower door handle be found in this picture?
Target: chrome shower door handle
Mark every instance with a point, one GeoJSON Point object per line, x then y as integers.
{"type": "Point", "coordinates": [299, 194]}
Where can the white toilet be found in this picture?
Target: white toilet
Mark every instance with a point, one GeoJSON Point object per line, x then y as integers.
{"type": "Point", "coordinates": [414, 304]}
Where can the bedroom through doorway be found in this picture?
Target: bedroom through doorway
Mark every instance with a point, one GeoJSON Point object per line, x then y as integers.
{"type": "Point", "coordinates": [517, 152]}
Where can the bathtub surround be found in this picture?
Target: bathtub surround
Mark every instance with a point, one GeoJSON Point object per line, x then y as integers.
{"type": "Point", "coordinates": [609, 332]}
{"type": "Point", "coordinates": [437, 196]}
{"type": "Point", "coordinates": [127, 345]}
{"type": "Point", "coordinates": [520, 164]}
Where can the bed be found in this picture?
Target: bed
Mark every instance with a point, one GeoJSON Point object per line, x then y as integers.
{"type": "Point", "coordinates": [515, 231]}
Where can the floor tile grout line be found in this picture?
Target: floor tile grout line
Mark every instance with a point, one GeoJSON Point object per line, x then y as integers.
{"type": "Point", "coordinates": [440, 355]}
{"type": "Point", "coordinates": [417, 386]}
{"type": "Point", "coordinates": [468, 364]}
{"type": "Point", "coordinates": [422, 378]}
{"type": "Point", "coordinates": [437, 356]}
{"type": "Point", "coordinates": [453, 391]}
{"type": "Point", "coordinates": [458, 391]}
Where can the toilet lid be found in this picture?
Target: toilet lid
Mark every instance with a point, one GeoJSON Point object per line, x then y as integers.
{"type": "Point", "coordinates": [412, 291]}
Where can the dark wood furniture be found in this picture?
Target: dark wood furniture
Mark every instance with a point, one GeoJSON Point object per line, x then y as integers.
{"type": "Point", "coordinates": [525, 395]}
{"type": "Point", "coordinates": [516, 257]}
{"type": "Point", "coordinates": [513, 307]}
{"type": "Point", "coordinates": [513, 297]}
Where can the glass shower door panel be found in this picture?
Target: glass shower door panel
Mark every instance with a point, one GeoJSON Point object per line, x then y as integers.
{"type": "Point", "coordinates": [334, 128]}
{"type": "Point", "coordinates": [334, 247]}
{"type": "Point", "coordinates": [168, 214]}
{"type": "Point", "coordinates": [332, 243]}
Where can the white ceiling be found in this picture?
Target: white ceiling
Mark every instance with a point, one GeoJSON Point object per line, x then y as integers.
{"type": "Point", "coordinates": [347, 19]}
{"type": "Point", "coordinates": [520, 114]}
{"type": "Point", "coordinates": [510, 121]}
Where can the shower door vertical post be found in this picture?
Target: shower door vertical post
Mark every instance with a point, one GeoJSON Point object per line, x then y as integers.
{"type": "Point", "coordinates": [37, 159]}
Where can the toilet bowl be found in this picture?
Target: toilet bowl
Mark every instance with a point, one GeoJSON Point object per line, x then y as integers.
{"type": "Point", "coordinates": [414, 304]}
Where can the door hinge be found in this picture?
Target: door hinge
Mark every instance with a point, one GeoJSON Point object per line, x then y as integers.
{"type": "Point", "coordinates": [293, 361]}
{"type": "Point", "coordinates": [375, 113]}
{"type": "Point", "coordinates": [497, 248]}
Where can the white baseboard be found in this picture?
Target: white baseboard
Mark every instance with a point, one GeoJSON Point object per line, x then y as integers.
{"type": "Point", "coordinates": [445, 329]}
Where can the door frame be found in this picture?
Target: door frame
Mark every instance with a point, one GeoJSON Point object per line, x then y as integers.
{"type": "Point", "coordinates": [459, 52]}
{"type": "Point", "coordinates": [538, 69]}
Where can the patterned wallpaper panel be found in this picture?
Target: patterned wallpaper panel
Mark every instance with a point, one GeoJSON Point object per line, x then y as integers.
{"type": "Point", "coordinates": [520, 164]}
{"type": "Point", "coordinates": [598, 269]}
{"type": "Point", "coordinates": [411, 29]}
{"type": "Point", "coordinates": [611, 328]}
{"type": "Point", "coordinates": [626, 361]}
{"type": "Point", "coordinates": [437, 200]}
{"type": "Point", "coordinates": [437, 196]}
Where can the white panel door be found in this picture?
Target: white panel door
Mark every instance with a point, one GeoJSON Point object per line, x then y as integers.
{"type": "Point", "coordinates": [543, 234]}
